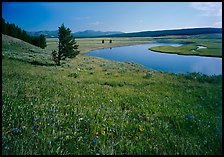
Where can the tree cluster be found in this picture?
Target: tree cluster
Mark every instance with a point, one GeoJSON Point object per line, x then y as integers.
{"type": "Point", "coordinates": [15, 31]}
{"type": "Point", "coordinates": [67, 47]}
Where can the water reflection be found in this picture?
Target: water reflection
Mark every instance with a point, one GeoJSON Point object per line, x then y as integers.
{"type": "Point", "coordinates": [161, 61]}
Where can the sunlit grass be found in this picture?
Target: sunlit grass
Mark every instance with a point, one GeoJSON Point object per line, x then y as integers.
{"type": "Point", "coordinates": [94, 106]}
{"type": "Point", "coordinates": [211, 42]}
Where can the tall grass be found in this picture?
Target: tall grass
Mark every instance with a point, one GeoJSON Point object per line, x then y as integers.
{"type": "Point", "coordinates": [93, 106]}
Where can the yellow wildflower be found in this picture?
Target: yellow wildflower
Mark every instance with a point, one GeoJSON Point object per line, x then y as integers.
{"type": "Point", "coordinates": [103, 131]}
{"type": "Point", "coordinates": [68, 137]}
{"type": "Point", "coordinates": [23, 126]}
{"type": "Point", "coordinates": [140, 128]}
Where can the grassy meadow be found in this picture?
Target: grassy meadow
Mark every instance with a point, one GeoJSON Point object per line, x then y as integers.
{"type": "Point", "coordinates": [93, 106]}
{"type": "Point", "coordinates": [212, 42]}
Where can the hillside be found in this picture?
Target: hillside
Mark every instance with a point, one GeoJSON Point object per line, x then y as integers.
{"type": "Point", "coordinates": [80, 34]}
{"type": "Point", "coordinates": [97, 106]}
{"type": "Point", "coordinates": [192, 31]}
{"type": "Point", "coordinates": [21, 50]}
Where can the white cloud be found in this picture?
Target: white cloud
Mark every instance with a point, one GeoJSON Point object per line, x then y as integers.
{"type": "Point", "coordinates": [208, 8]}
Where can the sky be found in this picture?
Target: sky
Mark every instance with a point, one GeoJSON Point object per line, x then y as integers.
{"type": "Point", "coordinates": [112, 16]}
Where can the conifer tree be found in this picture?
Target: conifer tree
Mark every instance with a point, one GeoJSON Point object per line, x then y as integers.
{"type": "Point", "coordinates": [67, 47]}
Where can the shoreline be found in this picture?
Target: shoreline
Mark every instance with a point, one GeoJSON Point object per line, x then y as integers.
{"type": "Point", "coordinates": [185, 54]}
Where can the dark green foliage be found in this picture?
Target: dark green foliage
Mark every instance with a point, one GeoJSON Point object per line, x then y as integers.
{"type": "Point", "coordinates": [67, 47]}
{"type": "Point", "coordinates": [74, 75]}
{"type": "Point", "coordinates": [192, 31]}
{"type": "Point", "coordinates": [54, 57]}
{"type": "Point", "coordinates": [203, 78]}
{"type": "Point", "coordinates": [15, 31]}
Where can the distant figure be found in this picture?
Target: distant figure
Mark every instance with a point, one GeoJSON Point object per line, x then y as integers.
{"type": "Point", "coordinates": [102, 41]}
{"type": "Point", "coordinates": [110, 41]}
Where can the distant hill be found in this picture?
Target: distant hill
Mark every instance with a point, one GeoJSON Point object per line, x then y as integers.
{"type": "Point", "coordinates": [91, 33]}
{"type": "Point", "coordinates": [81, 34]}
{"type": "Point", "coordinates": [49, 34]}
{"type": "Point", "coordinates": [190, 31]}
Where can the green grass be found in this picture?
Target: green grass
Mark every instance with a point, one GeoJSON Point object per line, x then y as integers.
{"type": "Point", "coordinates": [212, 42]}
{"type": "Point", "coordinates": [95, 106]}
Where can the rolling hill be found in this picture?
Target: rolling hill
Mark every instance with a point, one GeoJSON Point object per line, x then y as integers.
{"type": "Point", "coordinates": [191, 31]}
{"type": "Point", "coordinates": [80, 34]}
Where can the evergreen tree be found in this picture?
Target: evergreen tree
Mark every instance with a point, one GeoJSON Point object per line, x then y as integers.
{"type": "Point", "coordinates": [42, 41]}
{"type": "Point", "coordinates": [67, 47]}
{"type": "Point", "coordinates": [15, 31]}
{"type": "Point", "coordinates": [3, 26]}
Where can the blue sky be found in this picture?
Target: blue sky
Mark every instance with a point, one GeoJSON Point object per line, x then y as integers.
{"type": "Point", "coordinates": [112, 16]}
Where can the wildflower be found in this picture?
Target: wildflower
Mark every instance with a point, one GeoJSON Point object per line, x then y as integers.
{"type": "Point", "coordinates": [15, 141]}
{"type": "Point", "coordinates": [140, 128]}
{"type": "Point", "coordinates": [94, 140]}
{"type": "Point", "coordinates": [15, 129]}
{"type": "Point", "coordinates": [6, 148]}
{"type": "Point", "coordinates": [68, 137]}
{"type": "Point", "coordinates": [49, 142]}
{"type": "Point", "coordinates": [102, 132]}
{"type": "Point", "coordinates": [24, 127]}
{"type": "Point", "coordinates": [50, 118]}
{"type": "Point", "coordinates": [32, 127]}
{"type": "Point", "coordinates": [3, 138]}
{"type": "Point", "coordinates": [189, 117]}
{"type": "Point", "coordinates": [36, 119]}
{"type": "Point", "coordinates": [97, 153]}
{"type": "Point", "coordinates": [48, 124]}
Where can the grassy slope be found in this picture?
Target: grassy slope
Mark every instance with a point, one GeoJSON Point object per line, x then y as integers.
{"type": "Point", "coordinates": [212, 42]}
{"type": "Point", "coordinates": [109, 108]}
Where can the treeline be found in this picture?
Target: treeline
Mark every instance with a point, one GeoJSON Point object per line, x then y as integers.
{"type": "Point", "coordinates": [189, 31]}
{"type": "Point", "coordinates": [15, 31]}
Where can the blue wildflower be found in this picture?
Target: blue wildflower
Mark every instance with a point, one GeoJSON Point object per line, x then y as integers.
{"type": "Point", "coordinates": [6, 148]}
{"type": "Point", "coordinates": [20, 130]}
{"type": "Point", "coordinates": [189, 117]}
{"type": "Point", "coordinates": [50, 118]}
{"type": "Point", "coordinates": [32, 127]}
{"type": "Point", "coordinates": [94, 140]}
{"type": "Point", "coordinates": [36, 119]}
{"type": "Point", "coordinates": [48, 124]}
{"type": "Point", "coordinates": [49, 142]}
{"type": "Point", "coordinates": [14, 129]}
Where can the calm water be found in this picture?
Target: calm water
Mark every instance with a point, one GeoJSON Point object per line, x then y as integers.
{"type": "Point", "coordinates": [161, 61]}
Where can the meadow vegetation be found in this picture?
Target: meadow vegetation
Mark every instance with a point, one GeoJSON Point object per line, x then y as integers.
{"type": "Point", "coordinates": [212, 42]}
{"type": "Point", "coordinates": [95, 106]}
